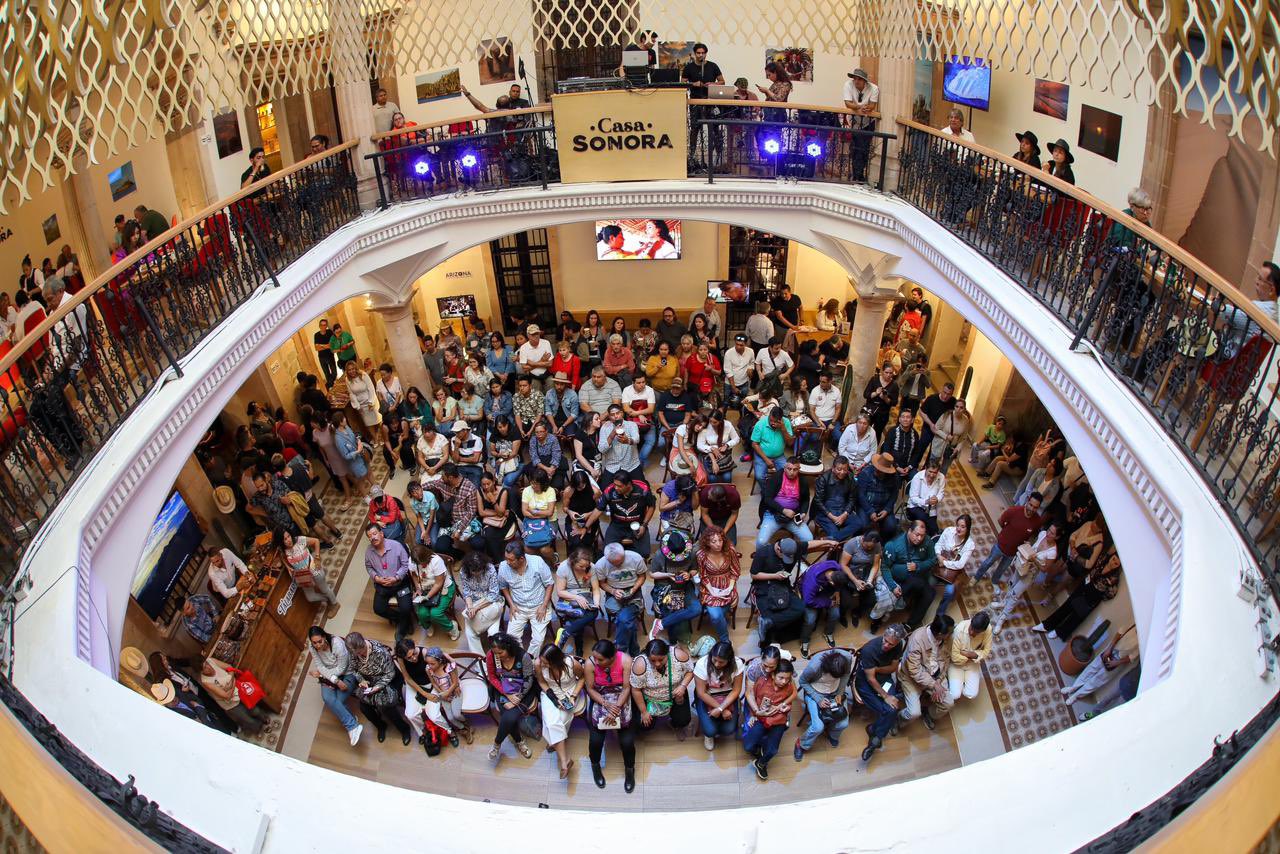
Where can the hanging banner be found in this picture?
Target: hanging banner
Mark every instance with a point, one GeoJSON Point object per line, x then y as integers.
{"type": "Point", "coordinates": [622, 135]}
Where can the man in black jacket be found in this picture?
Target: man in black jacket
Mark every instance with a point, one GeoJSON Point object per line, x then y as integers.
{"type": "Point", "coordinates": [836, 501]}
{"type": "Point", "coordinates": [784, 498]}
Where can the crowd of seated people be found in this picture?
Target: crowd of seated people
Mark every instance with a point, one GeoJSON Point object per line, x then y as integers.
{"type": "Point", "coordinates": [541, 511]}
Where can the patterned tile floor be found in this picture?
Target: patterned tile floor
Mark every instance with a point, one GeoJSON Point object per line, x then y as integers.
{"type": "Point", "coordinates": [1022, 672]}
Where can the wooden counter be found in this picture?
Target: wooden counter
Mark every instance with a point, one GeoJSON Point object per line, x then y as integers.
{"type": "Point", "coordinates": [272, 641]}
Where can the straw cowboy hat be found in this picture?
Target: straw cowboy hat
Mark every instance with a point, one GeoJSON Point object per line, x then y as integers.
{"type": "Point", "coordinates": [883, 462]}
{"type": "Point", "coordinates": [133, 662]}
{"type": "Point", "coordinates": [224, 499]}
{"type": "Point", "coordinates": [163, 692]}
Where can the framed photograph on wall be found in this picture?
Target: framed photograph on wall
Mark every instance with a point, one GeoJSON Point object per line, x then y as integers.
{"type": "Point", "coordinates": [796, 61]}
{"type": "Point", "coordinates": [676, 54]}
{"type": "Point", "coordinates": [438, 85]}
{"type": "Point", "coordinates": [50, 228]}
{"type": "Point", "coordinates": [1100, 132]}
{"type": "Point", "coordinates": [226, 133]}
{"type": "Point", "coordinates": [497, 61]}
{"type": "Point", "coordinates": [1051, 99]}
{"type": "Point", "coordinates": [121, 181]}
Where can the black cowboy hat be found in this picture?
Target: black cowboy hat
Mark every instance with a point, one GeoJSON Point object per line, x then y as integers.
{"type": "Point", "coordinates": [1062, 143]}
{"type": "Point", "coordinates": [1028, 136]}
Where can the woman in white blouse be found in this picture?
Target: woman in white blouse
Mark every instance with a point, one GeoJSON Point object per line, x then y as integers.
{"type": "Point", "coordinates": [828, 316]}
{"type": "Point", "coordinates": [858, 445]}
{"type": "Point", "coordinates": [716, 445]}
{"type": "Point", "coordinates": [954, 548]}
{"type": "Point", "coordinates": [1045, 557]}
{"type": "Point", "coordinates": [684, 441]}
{"type": "Point", "coordinates": [924, 495]}
{"type": "Point", "coordinates": [363, 393]}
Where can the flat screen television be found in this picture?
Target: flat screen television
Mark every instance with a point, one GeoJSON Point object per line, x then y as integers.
{"type": "Point", "coordinates": [463, 305]}
{"type": "Point", "coordinates": [638, 240]}
{"type": "Point", "coordinates": [170, 547]}
{"type": "Point", "coordinates": [967, 81]}
{"type": "Point", "coordinates": [738, 293]}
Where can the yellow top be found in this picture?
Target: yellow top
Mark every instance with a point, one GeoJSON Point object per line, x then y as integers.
{"type": "Point", "coordinates": [962, 642]}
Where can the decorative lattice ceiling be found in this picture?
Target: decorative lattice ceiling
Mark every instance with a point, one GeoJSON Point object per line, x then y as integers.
{"type": "Point", "coordinates": [88, 79]}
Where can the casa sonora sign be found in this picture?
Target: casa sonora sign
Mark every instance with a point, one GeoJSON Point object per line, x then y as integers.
{"type": "Point", "coordinates": [610, 135]}
{"type": "Point", "coordinates": [625, 135]}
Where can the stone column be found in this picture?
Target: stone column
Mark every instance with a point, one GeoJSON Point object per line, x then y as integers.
{"type": "Point", "coordinates": [402, 341]}
{"type": "Point", "coordinates": [897, 88]}
{"type": "Point", "coordinates": [864, 340]}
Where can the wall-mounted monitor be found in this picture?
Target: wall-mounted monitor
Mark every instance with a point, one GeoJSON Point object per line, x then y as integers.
{"type": "Point", "coordinates": [967, 81]}
{"type": "Point", "coordinates": [463, 305]}
{"type": "Point", "coordinates": [738, 293]}
{"type": "Point", "coordinates": [638, 240]}
{"type": "Point", "coordinates": [171, 545]}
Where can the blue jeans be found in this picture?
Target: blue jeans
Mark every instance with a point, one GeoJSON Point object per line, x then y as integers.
{"type": "Point", "coordinates": [337, 701]}
{"type": "Point", "coordinates": [948, 594]}
{"type": "Point", "coordinates": [687, 614]}
{"type": "Point", "coordinates": [625, 626]}
{"type": "Point", "coordinates": [834, 531]}
{"type": "Point", "coordinates": [471, 473]}
{"type": "Point", "coordinates": [762, 468]}
{"type": "Point", "coordinates": [996, 555]}
{"type": "Point", "coordinates": [816, 726]}
{"type": "Point", "coordinates": [576, 627]}
{"type": "Point", "coordinates": [886, 716]}
{"type": "Point", "coordinates": [395, 531]}
{"type": "Point", "coordinates": [648, 438]}
{"type": "Point", "coordinates": [722, 477]}
{"type": "Point", "coordinates": [715, 727]}
{"type": "Point", "coordinates": [762, 740]}
{"type": "Point", "coordinates": [719, 621]}
{"type": "Point", "coordinates": [510, 480]}
{"type": "Point", "coordinates": [770, 525]}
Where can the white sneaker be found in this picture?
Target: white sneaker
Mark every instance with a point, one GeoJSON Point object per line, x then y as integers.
{"type": "Point", "coordinates": [353, 735]}
{"type": "Point", "coordinates": [655, 629]}
{"type": "Point", "coordinates": [995, 630]}
{"type": "Point", "coordinates": [453, 634]}
{"type": "Point", "coordinates": [431, 631]}
{"type": "Point", "coordinates": [1039, 627]}
{"type": "Point", "coordinates": [708, 742]}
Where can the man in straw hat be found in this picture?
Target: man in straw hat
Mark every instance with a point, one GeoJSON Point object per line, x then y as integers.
{"type": "Point", "coordinates": [878, 486]}
{"type": "Point", "coordinates": [863, 98]}
{"type": "Point", "coordinates": [562, 405]}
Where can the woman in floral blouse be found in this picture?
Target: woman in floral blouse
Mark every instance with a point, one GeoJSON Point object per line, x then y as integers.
{"type": "Point", "coordinates": [379, 685]}
{"type": "Point", "coordinates": [718, 566]}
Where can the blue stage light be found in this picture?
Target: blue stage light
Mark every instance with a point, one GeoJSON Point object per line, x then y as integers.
{"type": "Point", "coordinates": [814, 149]}
{"type": "Point", "coordinates": [468, 160]}
{"type": "Point", "coordinates": [772, 146]}
{"type": "Point", "coordinates": [422, 167]}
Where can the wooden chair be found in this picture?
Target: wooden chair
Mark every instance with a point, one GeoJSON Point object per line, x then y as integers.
{"type": "Point", "coordinates": [474, 682]}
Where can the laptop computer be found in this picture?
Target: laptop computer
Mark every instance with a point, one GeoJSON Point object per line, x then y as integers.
{"type": "Point", "coordinates": [664, 75]}
{"type": "Point", "coordinates": [721, 92]}
{"type": "Point", "coordinates": [635, 58]}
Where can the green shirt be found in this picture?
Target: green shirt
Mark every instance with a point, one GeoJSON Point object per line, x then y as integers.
{"type": "Point", "coordinates": [899, 552]}
{"type": "Point", "coordinates": [772, 442]}
{"type": "Point", "coordinates": [343, 346]}
{"type": "Point", "coordinates": [994, 436]}
{"type": "Point", "coordinates": [154, 224]}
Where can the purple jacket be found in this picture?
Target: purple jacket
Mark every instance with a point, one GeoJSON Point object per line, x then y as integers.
{"type": "Point", "coordinates": [814, 592]}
